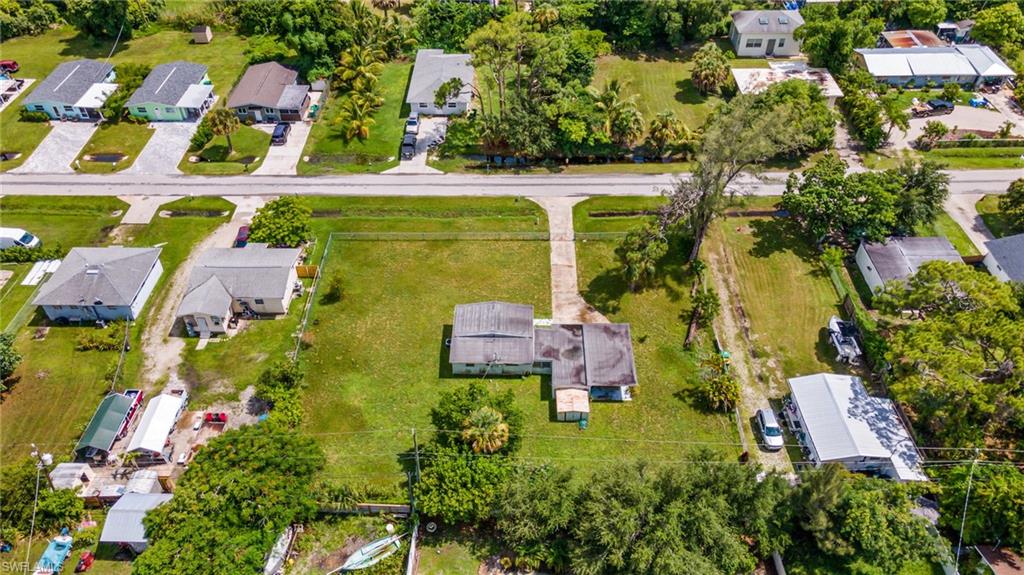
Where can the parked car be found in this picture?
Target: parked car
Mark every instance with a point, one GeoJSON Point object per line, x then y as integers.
{"type": "Point", "coordinates": [408, 146]}
{"type": "Point", "coordinates": [412, 124]}
{"type": "Point", "coordinates": [17, 237]}
{"type": "Point", "coordinates": [770, 429]}
{"type": "Point", "coordinates": [9, 66]}
{"type": "Point", "coordinates": [242, 237]}
{"type": "Point", "coordinates": [280, 135]}
{"type": "Point", "coordinates": [934, 107]}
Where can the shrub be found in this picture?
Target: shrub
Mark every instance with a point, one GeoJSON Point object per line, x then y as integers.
{"type": "Point", "coordinates": [203, 135]}
{"type": "Point", "coordinates": [720, 391]}
{"type": "Point", "coordinates": [706, 306]}
{"type": "Point", "coordinates": [21, 254]}
{"type": "Point", "coordinates": [951, 91]}
{"type": "Point", "coordinates": [86, 538]}
{"type": "Point", "coordinates": [109, 338]}
{"type": "Point", "coordinates": [335, 291]}
{"type": "Point", "coordinates": [27, 116]}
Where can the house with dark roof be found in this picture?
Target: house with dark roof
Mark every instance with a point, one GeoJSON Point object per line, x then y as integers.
{"type": "Point", "coordinates": [269, 92]}
{"type": "Point", "coordinates": [100, 284]}
{"type": "Point", "coordinates": [584, 361]}
{"type": "Point", "coordinates": [254, 280]}
{"type": "Point", "coordinates": [1005, 258]}
{"type": "Point", "coordinates": [74, 90]}
{"type": "Point", "coordinates": [433, 68]}
{"type": "Point", "coordinates": [173, 92]}
{"type": "Point", "coordinates": [899, 258]}
{"type": "Point", "coordinates": [761, 33]}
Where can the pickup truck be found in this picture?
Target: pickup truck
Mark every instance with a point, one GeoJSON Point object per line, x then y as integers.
{"type": "Point", "coordinates": [935, 107]}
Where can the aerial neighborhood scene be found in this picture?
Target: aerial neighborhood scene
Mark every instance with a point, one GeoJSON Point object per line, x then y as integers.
{"type": "Point", "coordinates": [512, 287]}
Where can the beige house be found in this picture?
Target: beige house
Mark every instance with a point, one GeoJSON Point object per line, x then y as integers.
{"type": "Point", "coordinates": [252, 281]}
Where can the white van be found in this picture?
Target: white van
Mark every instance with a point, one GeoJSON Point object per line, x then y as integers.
{"type": "Point", "coordinates": [17, 237]}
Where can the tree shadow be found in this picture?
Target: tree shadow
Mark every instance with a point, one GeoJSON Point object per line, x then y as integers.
{"type": "Point", "coordinates": [687, 93]}
{"type": "Point", "coordinates": [84, 46]}
{"type": "Point", "coordinates": [444, 366]}
{"type": "Point", "coordinates": [776, 235]}
{"type": "Point", "coordinates": [605, 291]}
{"type": "Point", "coordinates": [215, 153]}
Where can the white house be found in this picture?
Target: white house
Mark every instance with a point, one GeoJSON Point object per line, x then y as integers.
{"type": "Point", "coordinates": [226, 281]}
{"type": "Point", "coordinates": [1005, 258]}
{"type": "Point", "coordinates": [75, 90]}
{"type": "Point", "coordinates": [757, 33]}
{"type": "Point", "coordinates": [838, 422]}
{"type": "Point", "coordinates": [100, 284]}
{"type": "Point", "coordinates": [433, 68]}
{"type": "Point", "coordinates": [899, 258]}
{"type": "Point", "coordinates": [757, 80]}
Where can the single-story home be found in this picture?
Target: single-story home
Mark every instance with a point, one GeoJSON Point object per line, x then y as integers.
{"type": "Point", "coordinates": [966, 64]}
{"type": "Point", "coordinates": [765, 32]}
{"type": "Point", "coordinates": [71, 475]}
{"type": "Point", "coordinates": [1005, 258]}
{"type": "Point", "coordinates": [838, 422]}
{"type": "Point", "coordinates": [74, 90]}
{"type": "Point", "coordinates": [909, 39]}
{"type": "Point", "coordinates": [108, 424]}
{"type": "Point", "coordinates": [585, 361]}
{"type": "Point", "coordinates": [123, 525]}
{"type": "Point", "coordinates": [433, 68]}
{"type": "Point", "coordinates": [150, 438]}
{"type": "Point", "coordinates": [757, 80]}
{"type": "Point", "coordinates": [269, 92]}
{"type": "Point", "coordinates": [254, 280]}
{"type": "Point", "coordinates": [900, 258]}
{"type": "Point", "coordinates": [100, 284]}
{"type": "Point", "coordinates": [173, 92]}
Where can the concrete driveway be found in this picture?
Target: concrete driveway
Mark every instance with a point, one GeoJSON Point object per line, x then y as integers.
{"type": "Point", "coordinates": [430, 130]}
{"type": "Point", "coordinates": [283, 160]}
{"type": "Point", "coordinates": [964, 117]}
{"type": "Point", "coordinates": [164, 149]}
{"type": "Point", "coordinates": [58, 149]}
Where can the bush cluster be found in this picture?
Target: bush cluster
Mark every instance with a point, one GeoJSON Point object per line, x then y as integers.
{"type": "Point", "coordinates": [109, 338]}
{"type": "Point", "coordinates": [21, 254]}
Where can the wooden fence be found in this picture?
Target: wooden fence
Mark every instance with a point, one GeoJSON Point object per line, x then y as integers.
{"type": "Point", "coordinates": [307, 271]}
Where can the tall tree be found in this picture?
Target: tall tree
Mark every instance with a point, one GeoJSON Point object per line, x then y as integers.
{"type": "Point", "coordinates": [925, 14]}
{"type": "Point", "coordinates": [112, 18]}
{"type": "Point", "coordinates": [386, 5]}
{"type": "Point", "coordinates": [224, 122]}
{"type": "Point", "coordinates": [9, 357]}
{"type": "Point", "coordinates": [639, 254]}
{"type": "Point", "coordinates": [999, 26]}
{"type": "Point", "coordinates": [1011, 204]}
{"type": "Point", "coordinates": [485, 430]}
{"type": "Point", "coordinates": [459, 486]}
{"type": "Point", "coordinates": [829, 39]}
{"type": "Point", "coordinates": [282, 222]}
{"type": "Point", "coordinates": [864, 114]}
{"type": "Point", "coordinates": [710, 69]}
{"type": "Point", "coordinates": [996, 506]}
{"type": "Point", "coordinates": [622, 120]}
{"type": "Point", "coordinates": [663, 131]}
{"type": "Point", "coordinates": [925, 188]}
{"type": "Point", "coordinates": [485, 415]}
{"type": "Point", "coordinates": [535, 514]}
{"type": "Point", "coordinates": [359, 63]}
{"type": "Point", "coordinates": [895, 114]}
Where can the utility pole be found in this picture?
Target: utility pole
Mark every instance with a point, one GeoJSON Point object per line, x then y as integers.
{"type": "Point", "coordinates": [42, 459]}
{"type": "Point", "coordinates": [963, 519]}
{"type": "Point", "coordinates": [416, 449]}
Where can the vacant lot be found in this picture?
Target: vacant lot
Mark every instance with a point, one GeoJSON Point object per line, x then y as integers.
{"type": "Point", "coordinates": [331, 151]}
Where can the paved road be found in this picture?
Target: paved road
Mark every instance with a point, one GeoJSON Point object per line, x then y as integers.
{"type": "Point", "coordinates": [962, 182]}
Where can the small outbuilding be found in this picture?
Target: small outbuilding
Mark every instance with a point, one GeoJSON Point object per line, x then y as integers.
{"type": "Point", "coordinates": [202, 34]}
{"type": "Point", "coordinates": [1005, 258]}
{"type": "Point", "coordinates": [433, 68]}
{"type": "Point", "coordinates": [71, 475]}
{"type": "Point", "coordinates": [900, 258]}
{"type": "Point", "coordinates": [757, 80]}
{"type": "Point", "coordinates": [107, 425]}
{"type": "Point", "coordinates": [910, 39]}
{"type": "Point", "coordinates": [150, 438]}
{"type": "Point", "coordinates": [123, 525]}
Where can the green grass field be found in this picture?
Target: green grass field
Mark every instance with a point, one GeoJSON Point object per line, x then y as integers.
{"type": "Point", "coordinates": [123, 138]}
{"type": "Point", "coordinates": [953, 158]}
{"type": "Point", "coordinates": [945, 226]}
{"type": "Point", "coordinates": [249, 149]}
{"type": "Point", "coordinates": [997, 223]}
{"type": "Point", "coordinates": [330, 152]}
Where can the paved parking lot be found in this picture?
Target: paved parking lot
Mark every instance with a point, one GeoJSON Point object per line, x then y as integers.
{"type": "Point", "coordinates": [430, 129]}
{"type": "Point", "coordinates": [283, 160]}
{"type": "Point", "coordinates": [164, 149]}
{"type": "Point", "coordinates": [60, 147]}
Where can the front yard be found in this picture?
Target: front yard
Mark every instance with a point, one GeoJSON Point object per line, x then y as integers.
{"type": "Point", "coordinates": [123, 139]}
{"type": "Point", "coordinates": [997, 223]}
{"type": "Point", "coordinates": [249, 149]}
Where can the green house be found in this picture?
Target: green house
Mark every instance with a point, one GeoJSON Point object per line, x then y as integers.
{"type": "Point", "coordinates": [174, 92]}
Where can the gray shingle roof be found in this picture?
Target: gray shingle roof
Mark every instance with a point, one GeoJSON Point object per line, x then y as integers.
{"type": "Point", "coordinates": [98, 276]}
{"type": "Point", "coordinates": [899, 258]}
{"type": "Point", "coordinates": [167, 83]}
{"type": "Point", "coordinates": [767, 21]}
{"type": "Point", "coordinates": [124, 519]}
{"type": "Point", "coordinates": [208, 298]}
{"type": "Point", "coordinates": [250, 272]}
{"type": "Point", "coordinates": [69, 82]}
{"type": "Point", "coordinates": [433, 68]}
{"type": "Point", "coordinates": [1009, 253]}
{"type": "Point", "coordinates": [263, 85]}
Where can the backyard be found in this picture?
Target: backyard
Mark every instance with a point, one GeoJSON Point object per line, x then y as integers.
{"type": "Point", "coordinates": [330, 151]}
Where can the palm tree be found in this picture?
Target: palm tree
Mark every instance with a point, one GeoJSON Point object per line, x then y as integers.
{"type": "Point", "coordinates": [622, 122]}
{"type": "Point", "coordinates": [545, 16]}
{"type": "Point", "coordinates": [356, 114]}
{"type": "Point", "coordinates": [360, 62]}
{"type": "Point", "coordinates": [224, 122]}
{"type": "Point", "coordinates": [385, 5]}
{"type": "Point", "coordinates": [710, 69]}
{"type": "Point", "coordinates": [663, 131]}
{"type": "Point", "coordinates": [485, 430]}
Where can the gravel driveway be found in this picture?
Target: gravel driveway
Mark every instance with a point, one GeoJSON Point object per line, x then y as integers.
{"type": "Point", "coordinates": [58, 149]}
{"type": "Point", "coordinates": [283, 160]}
{"type": "Point", "coordinates": [165, 148]}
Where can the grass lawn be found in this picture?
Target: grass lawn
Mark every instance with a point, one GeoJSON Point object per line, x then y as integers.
{"type": "Point", "coordinates": [105, 563]}
{"type": "Point", "coordinates": [945, 226]}
{"type": "Point", "coordinates": [250, 146]}
{"type": "Point", "coordinates": [465, 165]}
{"type": "Point", "coordinates": [330, 152]}
{"type": "Point", "coordinates": [997, 223]}
{"type": "Point", "coordinates": [953, 158]}
{"type": "Point", "coordinates": [325, 542]}
{"type": "Point", "coordinates": [123, 138]}
{"type": "Point", "coordinates": [39, 55]}
{"type": "Point", "coordinates": [450, 552]}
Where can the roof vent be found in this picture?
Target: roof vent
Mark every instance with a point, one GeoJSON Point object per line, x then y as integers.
{"type": "Point", "coordinates": [92, 270]}
{"type": "Point", "coordinates": [762, 20]}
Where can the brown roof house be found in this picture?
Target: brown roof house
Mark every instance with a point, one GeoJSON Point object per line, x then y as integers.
{"type": "Point", "coordinates": [585, 361]}
{"type": "Point", "coordinates": [269, 92]}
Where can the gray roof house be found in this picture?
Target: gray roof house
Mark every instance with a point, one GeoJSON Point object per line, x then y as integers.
{"type": "Point", "coordinates": [100, 284]}
{"type": "Point", "coordinates": [123, 525]}
{"type": "Point", "coordinates": [176, 91]}
{"type": "Point", "coordinates": [1005, 258]}
{"type": "Point", "coordinates": [433, 68]}
{"type": "Point", "coordinates": [765, 32]}
{"type": "Point", "coordinates": [269, 92]}
{"type": "Point", "coordinates": [585, 361]}
{"type": "Point", "coordinates": [75, 89]}
{"type": "Point", "coordinates": [254, 280]}
{"type": "Point", "coordinates": [900, 258]}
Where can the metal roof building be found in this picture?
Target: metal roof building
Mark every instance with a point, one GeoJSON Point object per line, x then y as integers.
{"type": "Point", "coordinates": [123, 525]}
{"type": "Point", "coordinates": [900, 258]}
{"type": "Point", "coordinates": [492, 332]}
{"type": "Point", "coordinates": [105, 423]}
{"type": "Point", "coordinates": [157, 424]}
{"type": "Point", "coordinates": [911, 39]}
{"type": "Point", "coordinates": [1005, 258]}
{"type": "Point", "coordinates": [841, 423]}
{"type": "Point", "coordinates": [969, 63]}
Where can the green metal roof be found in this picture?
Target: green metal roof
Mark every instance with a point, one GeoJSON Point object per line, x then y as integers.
{"type": "Point", "coordinates": [105, 422]}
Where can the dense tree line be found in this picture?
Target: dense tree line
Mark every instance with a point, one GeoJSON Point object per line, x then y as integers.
{"type": "Point", "coordinates": [56, 508]}
{"type": "Point", "coordinates": [27, 17]}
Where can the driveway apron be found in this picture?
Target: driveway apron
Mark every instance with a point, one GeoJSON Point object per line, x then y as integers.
{"type": "Point", "coordinates": [165, 148]}
{"type": "Point", "coordinates": [283, 160]}
{"type": "Point", "coordinates": [58, 150]}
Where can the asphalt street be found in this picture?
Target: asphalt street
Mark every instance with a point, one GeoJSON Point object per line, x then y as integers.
{"type": "Point", "coordinates": [772, 183]}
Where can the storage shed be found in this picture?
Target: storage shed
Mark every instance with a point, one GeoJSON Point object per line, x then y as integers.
{"type": "Point", "coordinates": [71, 475]}
{"type": "Point", "coordinates": [150, 439]}
{"type": "Point", "coordinates": [202, 34]}
{"type": "Point", "coordinates": [105, 426]}
{"type": "Point", "coordinates": [124, 520]}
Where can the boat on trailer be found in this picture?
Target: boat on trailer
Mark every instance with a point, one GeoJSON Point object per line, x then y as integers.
{"type": "Point", "coordinates": [56, 553]}
{"type": "Point", "coordinates": [370, 554]}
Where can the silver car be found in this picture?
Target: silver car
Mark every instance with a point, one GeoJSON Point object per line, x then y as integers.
{"type": "Point", "coordinates": [771, 431]}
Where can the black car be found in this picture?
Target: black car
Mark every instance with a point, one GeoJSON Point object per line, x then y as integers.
{"type": "Point", "coordinates": [408, 146]}
{"type": "Point", "coordinates": [940, 107]}
{"type": "Point", "coordinates": [280, 135]}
